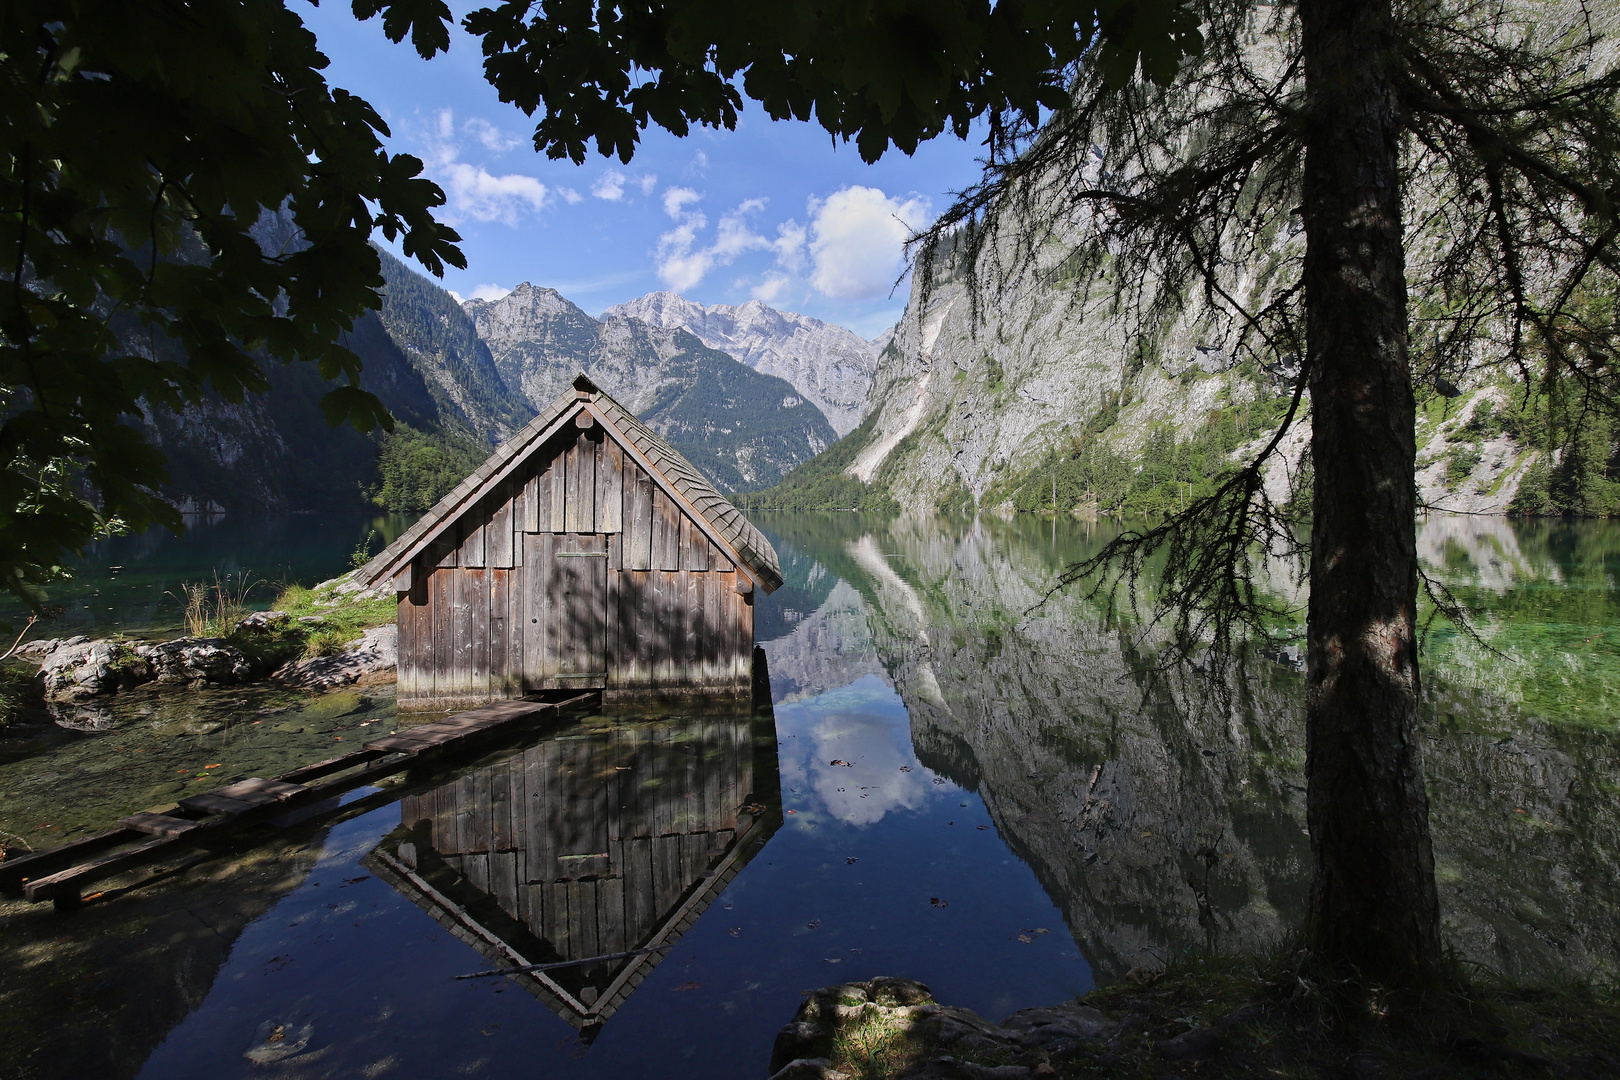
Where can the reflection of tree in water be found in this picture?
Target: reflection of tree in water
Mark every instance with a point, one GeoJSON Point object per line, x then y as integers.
{"type": "Point", "coordinates": [1160, 821]}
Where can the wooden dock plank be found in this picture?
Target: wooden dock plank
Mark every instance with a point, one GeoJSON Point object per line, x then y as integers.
{"type": "Point", "coordinates": [60, 874]}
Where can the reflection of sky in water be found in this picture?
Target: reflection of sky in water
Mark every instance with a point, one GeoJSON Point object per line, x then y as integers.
{"type": "Point", "coordinates": [866, 725]}
{"type": "Point", "coordinates": [912, 880]}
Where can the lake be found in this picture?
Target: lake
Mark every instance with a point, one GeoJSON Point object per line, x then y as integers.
{"type": "Point", "coordinates": [961, 784]}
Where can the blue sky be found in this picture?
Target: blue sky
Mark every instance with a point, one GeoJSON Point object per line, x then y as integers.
{"type": "Point", "coordinates": [770, 210]}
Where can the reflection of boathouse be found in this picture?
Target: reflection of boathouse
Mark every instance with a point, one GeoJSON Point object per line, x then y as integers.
{"type": "Point", "coordinates": [585, 553]}
{"type": "Point", "coordinates": [597, 840]}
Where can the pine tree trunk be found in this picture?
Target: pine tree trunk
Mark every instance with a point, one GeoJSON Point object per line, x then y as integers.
{"type": "Point", "coordinates": [1373, 911]}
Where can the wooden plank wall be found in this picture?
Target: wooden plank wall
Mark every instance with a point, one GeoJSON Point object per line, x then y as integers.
{"type": "Point", "coordinates": [488, 615]}
{"type": "Point", "coordinates": [592, 841]}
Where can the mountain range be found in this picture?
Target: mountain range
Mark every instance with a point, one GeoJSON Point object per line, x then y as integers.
{"type": "Point", "coordinates": [461, 378]}
{"type": "Point", "coordinates": [831, 365]}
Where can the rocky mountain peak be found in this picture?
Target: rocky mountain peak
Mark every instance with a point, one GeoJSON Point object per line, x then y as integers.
{"type": "Point", "coordinates": [830, 365]}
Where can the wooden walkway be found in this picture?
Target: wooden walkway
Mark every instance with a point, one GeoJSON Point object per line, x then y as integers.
{"type": "Point", "coordinates": [61, 874]}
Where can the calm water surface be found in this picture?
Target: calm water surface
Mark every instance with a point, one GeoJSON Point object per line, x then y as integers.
{"type": "Point", "coordinates": [957, 786]}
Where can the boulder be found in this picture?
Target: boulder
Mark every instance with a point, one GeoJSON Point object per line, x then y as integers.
{"type": "Point", "coordinates": [800, 1039]}
{"type": "Point", "coordinates": [372, 659]}
{"type": "Point", "coordinates": [193, 660]}
{"type": "Point", "coordinates": [1060, 1023]}
{"type": "Point", "coordinates": [1194, 1045]}
{"type": "Point", "coordinates": [78, 668]}
{"type": "Point", "coordinates": [809, 1069]}
{"type": "Point", "coordinates": [264, 620]}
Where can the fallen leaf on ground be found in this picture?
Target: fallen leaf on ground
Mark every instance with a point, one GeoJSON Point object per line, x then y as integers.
{"type": "Point", "coordinates": [850, 860]}
{"type": "Point", "coordinates": [937, 902]}
{"type": "Point", "coordinates": [982, 828]}
{"type": "Point", "coordinates": [812, 924]}
{"type": "Point", "coordinates": [1025, 938]}
{"type": "Point", "coordinates": [735, 931]}
{"type": "Point", "coordinates": [905, 768]}
{"type": "Point", "coordinates": [840, 761]}
{"type": "Point", "coordinates": [834, 959]}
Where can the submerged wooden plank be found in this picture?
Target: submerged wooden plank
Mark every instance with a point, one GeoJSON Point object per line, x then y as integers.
{"type": "Point", "coordinates": [158, 824]}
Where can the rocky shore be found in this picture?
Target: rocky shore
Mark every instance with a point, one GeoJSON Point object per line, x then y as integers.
{"type": "Point", "coordinates": [1220, 1020]}
{"type": "Point", "coordinates": [339, 638]}
{"type": "Point", "coordinates": [77, 669]}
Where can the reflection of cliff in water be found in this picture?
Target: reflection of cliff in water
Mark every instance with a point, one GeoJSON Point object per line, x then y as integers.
{"type": "Point", "coordinates": [1160, 821]}
{"type": "Point", "coordinates": [603, 839]}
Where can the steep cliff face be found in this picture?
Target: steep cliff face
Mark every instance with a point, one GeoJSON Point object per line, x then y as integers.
{"type": "Point", "coordinates": [1025, 396]}
{"type": "Point", "coordinates": [275, 451]}
{"type": "Point", "coordinates": [830, 365]}
{"type": "Point", "coordinates": [744, 428]}
{"type": "Point", "coordinates": [443, 345]}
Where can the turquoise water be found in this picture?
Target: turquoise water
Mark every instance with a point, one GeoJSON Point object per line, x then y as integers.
{"type": "Point", "coordinates": [998, 797]}
{"type": "Point", "coordinates": [132, 584]}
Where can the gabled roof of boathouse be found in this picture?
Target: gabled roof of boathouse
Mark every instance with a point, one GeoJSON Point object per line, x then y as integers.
{"type": "Point", "coordinates": [679, 478]}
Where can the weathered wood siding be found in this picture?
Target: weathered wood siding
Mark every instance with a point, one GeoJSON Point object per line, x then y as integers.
{"type": "Point", "coordinates": [591, 841]}
{"type": "Point", "coordinates": [578, 571]}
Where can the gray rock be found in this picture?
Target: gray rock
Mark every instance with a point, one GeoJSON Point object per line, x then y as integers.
{"type": "Point", "coordinates": [1194, 1045]}
{"type": "Point", "coordinates": [889, 991]}
{"type": "Point", "coordinates": [800, 1039]}
{"type": "Point", "coordinates": [78, 669]}
{"type": "Point", "coordinates": [828, 364]}
{"type": "Point", "coordinates": [1039, 1027]}
{"type": "Point", "coordinates": [372, 659]}
{"type": "Point", "coordinates": [263, 620]}
{"type": "Point", "coordinates": [961, 1029]}
{"type": "Point", "coordinates": [190, 660]}
{"type": "Point", "coordinates": [809, 1069]}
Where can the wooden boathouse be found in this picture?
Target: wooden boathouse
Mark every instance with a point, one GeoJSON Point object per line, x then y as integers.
{"type": "Point", "coordinates": [585, 553]}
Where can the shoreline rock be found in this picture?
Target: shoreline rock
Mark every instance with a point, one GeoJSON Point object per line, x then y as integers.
{"type": "Point", "coordinates": [374, 658]}
{"type": "Point", "coordinates": [78, 670]}
{"type": "Point", "coordinates": [949, 1042]}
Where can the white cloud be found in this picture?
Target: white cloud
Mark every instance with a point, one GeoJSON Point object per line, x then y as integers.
{"type": "Point", "coordinates": [493, 138]}
{"type": "Point", "coordinates": [489, 292]}
{"type": "Point", "coordinates": [772, 287]}
{"type": "Point", "coordinates": [609, 186]}
{"type": "Point", "coordinates": [647, 182]}
{"type": "Point", "coordinates": [471, 190]}
{"type": "Point", "coordinates": [570, 196]}
{"type": "Point", "coordinates": [699, 165]}
{"type": "Point", "coordinates": [676, 200]}
{"type": "Point", "coordinates": [681, 263]}
{"type": "Point", "coordinates": [857, 237]}
{"type": "Point", "coordinates": [477, 193]}
{"type": "Point", "coordinates": [789, 245]}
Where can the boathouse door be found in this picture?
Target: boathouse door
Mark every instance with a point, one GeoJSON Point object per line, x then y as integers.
{"type": "Point", "coordinates": [565, 635]}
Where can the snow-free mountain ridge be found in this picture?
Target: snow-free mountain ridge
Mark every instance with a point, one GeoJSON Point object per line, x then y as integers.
{"type": "Point", "coordinates": [830, 365]}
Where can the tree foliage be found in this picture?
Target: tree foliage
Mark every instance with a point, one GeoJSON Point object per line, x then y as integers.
{"type": "Point", "coordinates": [891, 72]}
{"type": "Point", "coordinates": [1510, 155]}
{"type": "Point", "coordinates": [183, 199]}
